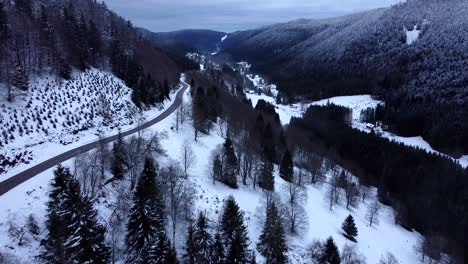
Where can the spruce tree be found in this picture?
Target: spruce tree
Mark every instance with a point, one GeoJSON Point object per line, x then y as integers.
{"type": "Point", "coordinates": [229, 172]}
{"type": "Point", "coordinates": [330, 253]}
{"type": "Point", "coordinates": [53, 244]}
{"type": "Point", "coordinates": [191, 246]}
{"type": "Point", "coordinates": [20, 78]}
{"type": "Point", "coordinates": [234, 233]}
{"type": "Point", "coordinates": [85, 241]}
{"type": "Point", "coordinates": [266, 180]}
{"type": "Point", "coordinates": [272, 244]}
{"type": "Point", "coordinates": [217, 254]}
{"type": "Point", "coordinates": [287, 167]}
{"type": "Point", "coordinates": [118, 158]}
{"type": "Point", "coordinates": [238, 252]}
{"type": "Point", "coordinates": [3, 23]}
{"type": "Point", "coordinates": [349, 228]}
{"type": "Point", "coordinates": [203, 238]}
{"type": "Point", "coordinates": [145, 228]}
{"type": "Point", "coordinates": [74, 235]}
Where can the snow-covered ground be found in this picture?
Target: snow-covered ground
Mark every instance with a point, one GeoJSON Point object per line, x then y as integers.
{"type": "Point", "coordinates": [356, 103]}
{"type": "Point", "coordinates": [219, 45]}
{"type": "Point", "coordinates": [57, 116]}
{"type": "Point", "coordinates": [361, 102]}
{"type": "Point", "coordinates": [31, 196]}
{"type": "Point", "coordinates": [412, 35]}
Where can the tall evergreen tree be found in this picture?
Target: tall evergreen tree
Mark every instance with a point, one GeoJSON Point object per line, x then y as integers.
{"type": "Point", "coordinates": [272, 244]}
{"type": "Point", "coordinates": [4, 27]}
{"type": "Point", "coordinates": [20, 78]}
{"type": "Point", "coordinates": [230, 160]}
{"type": "Point", "coordinates": [204, 240]}
{"type": "Point", "coordinates": [266, 180]}
{"type": "Point", "coordinates": [238, 251]}
{"type": "Point", "coordinates": [200, 111]}
{"type": "Point", "coordinates": [24, 7]}
{"type": "Point", "coordinates": [94, 42]}
{"type": "Point", "coordinates": [191, 246]}
{"type": "Point", "coordinates": [145, 228]}
{"type": "Point", "coordinates": [53, 244]}
{"type": "Point", "coordinates": [234, 233]}
{"type": "Point", "coordinates": [287, 167]}
{"type": "Point", "coordinates": [74, 235]}
{"type": "Point", "coordinates": [85, 241]}
{"type": "Point", "coordinates": [330, 253]}
{"type": "Point", "coordinates": [118, 158]}
{"type": "Point", "coordinates": [349, 228]}
{"type": "Point", "coordinates": [217, 254]}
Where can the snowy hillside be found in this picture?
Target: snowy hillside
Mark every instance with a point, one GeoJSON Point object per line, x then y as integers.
{"type": "Point", "coordinates": [30, 198]}
{"type": "Point", "coordinates": [57, 114]}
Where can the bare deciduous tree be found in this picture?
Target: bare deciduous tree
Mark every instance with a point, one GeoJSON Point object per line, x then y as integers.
{"type": "Point", "coordinates": [350, 255]}
{"type": "Point", "coordinates": [388, 258]}
{"type": "Point", "coordinates": [294, 211]}
{"type": "Point", "coordinates": [187, 156]}
{"type": "Point", "coordinates": [372, 214]}
{"type": "Point", "coordinates": [179, 195]}
{"type": "Point", "coordinates": [333, 191]}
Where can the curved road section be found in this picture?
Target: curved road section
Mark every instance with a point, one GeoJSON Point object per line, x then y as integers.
{"type": "Point", "coordinates": [21, 177]}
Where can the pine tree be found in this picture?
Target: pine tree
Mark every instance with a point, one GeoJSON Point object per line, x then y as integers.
{"type": "Point", "coordinates": [272, 244]}
{"type": "Point", "coordinates": [191, 246]}
{"type": "Point", "coordinates": [234, 233]}
{"type": "Point", "coordinates": [145, 228]}
{"type": "Point", "coordinates": [203, 238]}
{"type": "Point", "coordinates": [217, 169]}
{"type": "Point", "coordinates": [118, 158]}
{"type": "Point", "coordinates": [287, 167]}
{"type": "Point", "coordinates": [217, 250]}
{"type": "Point", "coordinates": [20, 78]}
{"type": "Point", "coordinates": [266, 180]}
{"type": "Point", "coordinates": [3, 23]}
{"type": "Point", "coordinates": [24, 7]}
{"type": "Point", "coordinates": [53, 244]}
{"type": "Point", "coordinates": [330, 253]}
{"type": "Point", "coordinates": [230, 160]}
{"type": "Point", "coordinates": [74, 235]}
{"type": "Point", "coordinates": [85, 242]}
{"type": "Point", "coordinates": [349, 228]}
{"type": "Point", "coordinates": [199, 112]}
{"type": "Point", "coordinates": [238, 252]}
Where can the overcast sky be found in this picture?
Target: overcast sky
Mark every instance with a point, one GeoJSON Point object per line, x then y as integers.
{"type": "Point", "coordinates": [232, 15]}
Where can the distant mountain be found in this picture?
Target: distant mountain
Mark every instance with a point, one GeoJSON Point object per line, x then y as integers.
{"type": "Point", "coordinates": [204, 41]}
{"type": "Point", "coordinates": [412, 55]}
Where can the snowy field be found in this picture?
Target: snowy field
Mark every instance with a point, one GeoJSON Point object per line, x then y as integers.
{"type": "Point", "coordinates": [31, 196]}
{"type": "Point", "coordinates": [356, 103]}
{"type": "Point", "coordinates": [59, 116]}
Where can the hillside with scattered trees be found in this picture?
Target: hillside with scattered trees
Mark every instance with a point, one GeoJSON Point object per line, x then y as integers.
{"type": "Point", "coordinates": [59, 37]}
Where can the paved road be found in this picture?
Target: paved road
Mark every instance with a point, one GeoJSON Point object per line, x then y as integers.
{"type": "Point", "coordinates": [21, 177]}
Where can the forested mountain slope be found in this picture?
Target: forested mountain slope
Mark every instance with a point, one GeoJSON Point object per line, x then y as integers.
{"type": "Point", "coordinates": [57, 37]}
{"type": "Point", "coordinates": [412, 55]}
{"type": "Point", "coordinates": [206, 41]}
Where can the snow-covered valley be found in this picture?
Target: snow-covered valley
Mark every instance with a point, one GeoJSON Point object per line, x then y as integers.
{"type": "Point", "coordinates": [31, 197]}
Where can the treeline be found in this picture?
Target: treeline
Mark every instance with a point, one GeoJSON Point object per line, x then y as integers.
{"type": "Point", "coordinates": [422, 83]}
{"type": "Point", "coordinates": [427, 191]}
{"type": "Point", "coordinates": [51, 37]}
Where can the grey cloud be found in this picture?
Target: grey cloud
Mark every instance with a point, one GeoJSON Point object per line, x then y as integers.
{"type": "Point", "coordinates": [232, 15]}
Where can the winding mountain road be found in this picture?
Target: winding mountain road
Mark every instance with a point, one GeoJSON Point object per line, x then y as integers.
{"type": "Point", "coordinates": [21, 177]}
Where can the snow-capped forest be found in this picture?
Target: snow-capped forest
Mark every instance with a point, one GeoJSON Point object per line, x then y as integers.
{"type": "Point", "coordinates": [189, 164]}
{"type": "Point", "coordinates": [339, 140]}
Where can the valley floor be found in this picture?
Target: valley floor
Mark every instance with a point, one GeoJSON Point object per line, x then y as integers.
{"type": "Point", "coordinates": [373, 242]}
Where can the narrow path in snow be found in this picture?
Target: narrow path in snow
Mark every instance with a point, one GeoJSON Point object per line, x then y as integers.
{"type": "Point", "coordinates": [21, 177]}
